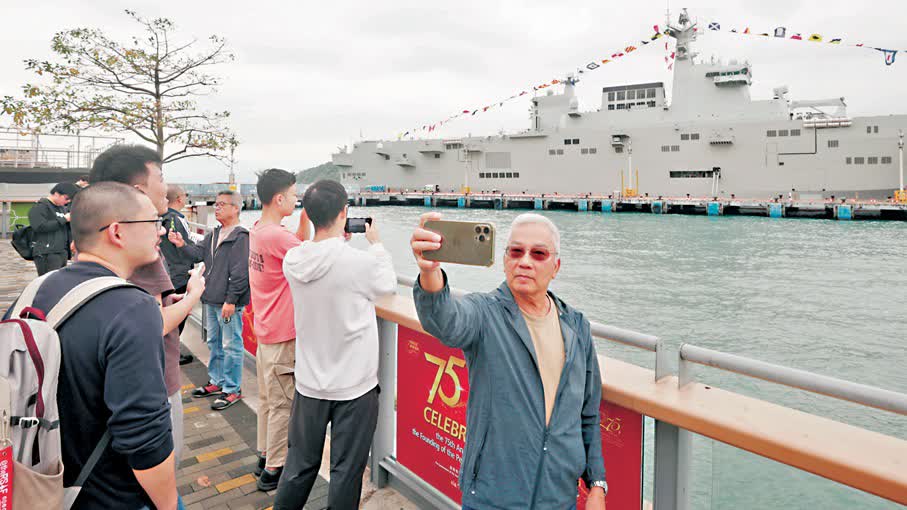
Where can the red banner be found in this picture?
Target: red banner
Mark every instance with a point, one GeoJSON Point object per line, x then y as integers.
{"type": "Point", "coordinates": [249, 341]}
{"type": "Point", "coordinates": [6, 478]}
{"type": "Point", "coordinates": [432, 390]}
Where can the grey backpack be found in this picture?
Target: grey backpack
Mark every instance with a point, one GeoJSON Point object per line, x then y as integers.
{"type": "Point", "coordinates": [30, 354]}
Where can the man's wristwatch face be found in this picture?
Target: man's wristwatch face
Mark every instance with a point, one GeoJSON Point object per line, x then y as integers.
{"type": "Point", "coordinates": [601, 483]}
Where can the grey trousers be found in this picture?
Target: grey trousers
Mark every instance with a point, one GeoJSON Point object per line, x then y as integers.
{"type": "Point", "coordinates": [353, 425]}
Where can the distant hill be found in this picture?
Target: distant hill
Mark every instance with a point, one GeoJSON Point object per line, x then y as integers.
{"type": "Point", "coordinates": [324, 171]}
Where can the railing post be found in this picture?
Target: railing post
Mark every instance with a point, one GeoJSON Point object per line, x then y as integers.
{"type": "Point", "coordinates": [385, 433]}
{"type": "Point", "coordinates": [673, 449]}
{"type": "Point", "coordinates": [5, 215]}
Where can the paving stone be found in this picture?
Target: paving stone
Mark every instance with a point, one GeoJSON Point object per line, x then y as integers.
{"type": "Point", "coordinates": [201, 495]}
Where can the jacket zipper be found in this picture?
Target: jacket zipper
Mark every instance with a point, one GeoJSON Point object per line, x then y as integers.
{"type": "Point", "coordinates": [557, 399]}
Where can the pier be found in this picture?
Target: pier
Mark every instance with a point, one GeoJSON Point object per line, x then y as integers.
{"type": "Point", "coordinates": [844, 210]}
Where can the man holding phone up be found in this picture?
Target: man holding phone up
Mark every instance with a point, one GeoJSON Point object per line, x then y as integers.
{"type": "Point", "coordinates": [532, 418]}
{"type": "Point", "coordinates": [334, 289]}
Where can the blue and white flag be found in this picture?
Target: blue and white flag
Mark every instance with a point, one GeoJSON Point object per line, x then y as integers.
{"type": "Point", "coordinates": [889, 55]}
{"type": "Point", "coordinates": [780, 32]}
{"type": "Point", "coordinates": [714, 26]}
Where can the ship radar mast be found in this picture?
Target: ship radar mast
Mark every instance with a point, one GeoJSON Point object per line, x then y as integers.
{"type": "Point", "coordinates": [685, 33]}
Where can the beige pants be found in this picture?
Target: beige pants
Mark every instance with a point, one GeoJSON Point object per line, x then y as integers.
{"type": "Point", "coordinates": [276, 387]}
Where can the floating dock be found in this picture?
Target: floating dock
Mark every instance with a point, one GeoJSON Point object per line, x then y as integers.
{"type": "Point", "coordinates": [839, 210]}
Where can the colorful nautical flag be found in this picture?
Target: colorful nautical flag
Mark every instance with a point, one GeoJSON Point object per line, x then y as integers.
{"type": "Point", "coordinates": [815, 38]}
{"type": "Point", "coordinates": [605, 61]}
{"type": "Point", "coordinates": [523, 93]}
{"type": "Point", "coordinates": [629, 49]}
{"type": "Point", "coordinates": [835, 41]}
{"type": "Point", "coordinates": [656, 29]}
{"type": "Point", "coordinates": [747, 30]}
{"type": "Point", "coordinates": [656, 36]}
{"type": "Point", "coordinates": [465, 111]}
{"type": "Point", "coordinates": [714, 26]}
{"type": "Point", "coordinates": [889, 55]}
{"type": "Point", "coordinates": [764, 34]}
{"type": "Point", "coordinates": [780, 32]}
{"type": "Point", "coordinates": [796, 37]}
{"type": "Point", "coordinates": [644, 42]}
{"type": "Point", "coordinates": [592, 66]}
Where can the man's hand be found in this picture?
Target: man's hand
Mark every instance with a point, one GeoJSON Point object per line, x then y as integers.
{"type": "Point", "coordinates": [423, 240]}
{"type": "Point", "coordinates": [176, 238]}
{"type": "Point", "coordinates": [371, 233]}
{"type": "Point", "coordinates": [196, 285]}
{"type": "Point", "coordinates": [228, 310]}
{"type": "Point", "coordinates": [596, 499]}
{"type": "Point", "coordinates": [67, 216]}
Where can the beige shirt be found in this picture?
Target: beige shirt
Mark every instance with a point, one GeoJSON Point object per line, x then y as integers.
{"type": "Point", "coordinates": [549, 350]}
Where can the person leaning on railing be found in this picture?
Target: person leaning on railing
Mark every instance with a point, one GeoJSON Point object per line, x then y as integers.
{"type": "Point", "coordinates": [532, 418]}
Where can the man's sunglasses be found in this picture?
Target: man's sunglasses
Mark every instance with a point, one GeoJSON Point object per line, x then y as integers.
{"type": "Point", "coordinates": [159, 221]}
{"type": "Point", "coordinates": [537, 254]}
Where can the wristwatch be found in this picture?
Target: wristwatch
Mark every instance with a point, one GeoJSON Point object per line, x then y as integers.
{"type": "Point", "coordinates": [600, 483]}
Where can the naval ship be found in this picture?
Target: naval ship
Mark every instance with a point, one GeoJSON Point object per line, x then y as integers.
{"type": "Point", "coordinates": [711, 140]}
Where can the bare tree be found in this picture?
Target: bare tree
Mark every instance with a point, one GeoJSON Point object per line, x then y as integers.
{"type": "Point", "coordinates": [147, 87]}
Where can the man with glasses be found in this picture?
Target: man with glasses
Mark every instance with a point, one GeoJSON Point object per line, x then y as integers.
{"type": "Point", "coordinates": [111, 375]}
{"type": "Point", "coordinates": [532, 418]}
{"type": "Point", "coordinates": [225, 251]}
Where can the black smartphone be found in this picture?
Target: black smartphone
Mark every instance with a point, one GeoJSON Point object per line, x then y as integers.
{"type": "Point", "coordinates": [356, 225]}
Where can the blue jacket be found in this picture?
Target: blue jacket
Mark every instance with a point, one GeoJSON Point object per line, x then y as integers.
{"type": "Point", "coordinates": [512, 459]}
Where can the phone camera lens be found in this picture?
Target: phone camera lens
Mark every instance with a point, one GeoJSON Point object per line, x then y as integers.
{"type": "Point", "coordinates": [478, 230]}
{"type": "Point", "coordinates": [487, 230]}
{"type": "Point", "coordinates": [481, 238]}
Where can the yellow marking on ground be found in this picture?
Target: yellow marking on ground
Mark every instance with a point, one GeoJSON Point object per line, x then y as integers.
{"type": "Point", "coordinates": [190, 410]}
{"type": "Point", "coordinates": [213, 455]}
{"type": "Point", "coordinates": [236, 482]}
{"type": "Point", "coordinates": [187, 386]}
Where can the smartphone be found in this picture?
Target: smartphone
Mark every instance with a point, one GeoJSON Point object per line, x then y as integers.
{"type": "Point", "coordinates": [463, 242]}
{"type": "Point", "coordinates": [356, 225]}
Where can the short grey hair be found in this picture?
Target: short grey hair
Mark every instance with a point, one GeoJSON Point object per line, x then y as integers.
{"type": "Point", "coordinates": [538, 219]}
{"type": "Point", "coordinates": [235, 197]}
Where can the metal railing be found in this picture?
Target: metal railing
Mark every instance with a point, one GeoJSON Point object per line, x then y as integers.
{"type": "Point", "coordinates": [680, 408]}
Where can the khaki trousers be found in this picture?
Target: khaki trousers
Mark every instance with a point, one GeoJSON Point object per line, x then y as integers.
{"type": "Point", "coordinates": [276, 387]}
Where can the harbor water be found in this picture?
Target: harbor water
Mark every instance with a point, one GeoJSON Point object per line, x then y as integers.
{"type": "Point", "coordinates": [823, 296]}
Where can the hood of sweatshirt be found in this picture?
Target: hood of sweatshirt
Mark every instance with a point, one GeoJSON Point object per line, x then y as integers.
{"type": "Point", "coordinates": [311, 260]}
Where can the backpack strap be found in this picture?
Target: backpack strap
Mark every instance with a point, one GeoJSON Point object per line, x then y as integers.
{"type": "Point", "coordinates": [81, 294]}
{"type": "Point", "coordinates": [27, 297]}
{"type": "Point", "coordinates": [93, 459]}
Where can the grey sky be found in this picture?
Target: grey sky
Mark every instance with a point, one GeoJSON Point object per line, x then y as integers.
{"type": "Point", "coordinates": [309, 77]}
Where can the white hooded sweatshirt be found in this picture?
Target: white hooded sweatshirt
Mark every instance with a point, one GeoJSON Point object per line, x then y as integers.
{"type": "Point", "coordinates": [334, 288]}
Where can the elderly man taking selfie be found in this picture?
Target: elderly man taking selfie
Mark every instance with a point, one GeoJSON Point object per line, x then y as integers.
{"type": "Point", "coordinates": [532, 419]}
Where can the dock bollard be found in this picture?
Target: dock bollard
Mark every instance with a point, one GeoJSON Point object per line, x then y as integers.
{"type": "Point", "coordinates": [714, 209]}
{"type": "Point", "coordinates": [583, 205]}
{"type": "Point", "coordinates": [607, 206]}
{"type": "Point", "coordinates": [775, 210]}
{"type": "Point", "coordinates": [843, 212]}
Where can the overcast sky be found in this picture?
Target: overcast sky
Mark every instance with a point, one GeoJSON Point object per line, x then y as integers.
{"type": "Point", "coordinates": [310, 77]}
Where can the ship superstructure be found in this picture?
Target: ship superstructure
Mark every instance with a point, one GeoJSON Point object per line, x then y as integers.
{"type": "Point", "coordinates": [711, 140]}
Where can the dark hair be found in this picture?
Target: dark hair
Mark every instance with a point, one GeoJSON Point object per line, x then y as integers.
{"type": "Point", "coordinates": [323, 201]}
{"type": "Point", "coordinates": [99, 205]}
{"type": "Point", "coordinates": [272, 182]}
{"type": "Point", "coordinates": [123, 163]}
{"type": "Point", "coordinates": [65, 188]}
{"type": "Point", "coordinates": [83, 178]}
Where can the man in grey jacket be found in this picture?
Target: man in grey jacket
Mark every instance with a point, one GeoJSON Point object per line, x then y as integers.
{"type": "Point", "coordinates": [225, 251]}
{"type": "Point", "coordinates": [532, 419]}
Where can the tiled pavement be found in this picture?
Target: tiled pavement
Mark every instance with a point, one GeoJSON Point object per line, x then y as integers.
{"type": "Point", "coordinates": [219, 455]}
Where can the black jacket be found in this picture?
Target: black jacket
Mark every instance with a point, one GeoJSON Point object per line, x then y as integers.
{"type": "Point", "coordinates": [50, 228]}
{"type": "Point", "coordinates": [178, 263]}
{"type": "Point", "coordinates": [226, 266]}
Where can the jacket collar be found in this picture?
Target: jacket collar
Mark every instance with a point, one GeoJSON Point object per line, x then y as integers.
{"type": "Point", "coordinates": [565, 314]}
{"type": "Point", "coordinates": [174, 211]}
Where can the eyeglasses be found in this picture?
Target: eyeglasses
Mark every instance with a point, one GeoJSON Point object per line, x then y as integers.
{"type": "Point", "coordinates": [159, 221]}
{"type": "Point", "coordinates": [222, 204]}
{"type": "Point", "coordinates": [537, 254]}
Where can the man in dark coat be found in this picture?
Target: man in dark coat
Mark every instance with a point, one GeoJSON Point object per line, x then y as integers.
{"type": "Point", "coordinates": [49, 220]}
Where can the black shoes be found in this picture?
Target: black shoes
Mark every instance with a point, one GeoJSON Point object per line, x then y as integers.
{"type": "Point", "coordinates": [261, 465]}
{"type": "Point", "coordinates": [185, 359]}
{"type": "Point", "coordinates": [269, 478]}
